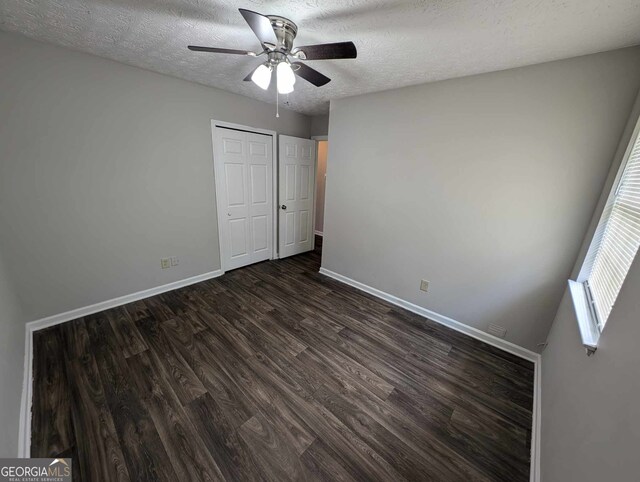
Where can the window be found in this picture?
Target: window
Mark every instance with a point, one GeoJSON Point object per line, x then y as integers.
{"type": "Point", "coordinates": [612, 250]}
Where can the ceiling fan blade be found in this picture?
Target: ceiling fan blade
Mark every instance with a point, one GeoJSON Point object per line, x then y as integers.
{"type": "Point", "coordinates": [216, 50]}
{"type": "Point", "coordinates": [310, 75]}
{"type": "Point", "coordinates": [261, 26]}
{"type": "Point", "coordinates": [339, 50]}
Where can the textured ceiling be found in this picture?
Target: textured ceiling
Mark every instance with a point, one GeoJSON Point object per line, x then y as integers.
{"type": "Point", "coordinates": [399, 42]}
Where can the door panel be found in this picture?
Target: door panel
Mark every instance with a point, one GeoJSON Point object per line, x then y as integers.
{"type": "Point", "coordinates": [259, 184]}
{"type": "Point", "coordinates": [304, 226]}
{"type": "Point", "coordinates": [238, 237]}
{"type": "Point", "coordinates": [260, 233]}
{"type": "Point", "coordinates": [243, 168]}
{"type": "Point", "coordinates": [289, 223]}
{"type": "Point", "coordinates": [290, 182]}
{"type": "Point", "coordinates": [296, 167]}
{"type": "Point", "coordinates": [232, 146]}
{"type": "Point", "coordinates": [304, 183]}
{"type": "Point", "coordinates": [260, 159]}
{"type": "Point", "coordinates": [307, 152]}
{"type": "Point", "coordinates": [234, 180]}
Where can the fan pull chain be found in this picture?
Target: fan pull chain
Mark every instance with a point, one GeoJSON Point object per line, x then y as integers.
{"type": "Point", "coordinates": [277, 104]}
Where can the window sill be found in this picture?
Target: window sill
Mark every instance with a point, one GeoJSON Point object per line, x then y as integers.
{"type": "Point", "coordinates": [588, 327]}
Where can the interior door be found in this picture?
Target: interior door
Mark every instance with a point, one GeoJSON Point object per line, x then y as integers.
{"type": "Point", "coordinates": [244, 186]}
{"type": "Point", "coordinates": [296, 173]}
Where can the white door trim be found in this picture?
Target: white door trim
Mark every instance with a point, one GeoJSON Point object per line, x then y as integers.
{"type": "Point", "coordinates": [219, 208]}
{"type": "Point", "coordinates": [315, 198]}
{"type": "Point", "coordinates": [315, 191]}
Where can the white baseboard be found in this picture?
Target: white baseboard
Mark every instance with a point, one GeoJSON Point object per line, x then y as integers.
{"type": "Point", "coordinates": [443, 320]}
{"type": "Point", "coordinates": [479, 335]}
{"type": "Point", "coordinates": [122, 300]}
{"type": "Point", "coordinates": [319, 233]}
{"type": "Point", "coordinates": [24, 437]}
{"type": "Point", "coordinates": [24, 425]}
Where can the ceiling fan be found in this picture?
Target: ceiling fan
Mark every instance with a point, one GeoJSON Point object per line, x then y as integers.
{"type": "Point", "coordinates": [276, 35]}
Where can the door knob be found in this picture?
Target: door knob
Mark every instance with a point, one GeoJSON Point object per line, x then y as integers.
{"type": "Point", "coordinates": [284, 207]}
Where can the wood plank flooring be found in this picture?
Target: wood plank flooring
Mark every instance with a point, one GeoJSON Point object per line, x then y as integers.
{"type": "Point", "coordinates": [275, 372]}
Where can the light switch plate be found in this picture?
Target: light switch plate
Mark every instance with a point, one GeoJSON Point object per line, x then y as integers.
{"type": "Point", "coordinates": [165, 263]}
{"type": "Point", "coordinates": [175, 261]}
{"type": "Point", "coordinates": [424, 285]}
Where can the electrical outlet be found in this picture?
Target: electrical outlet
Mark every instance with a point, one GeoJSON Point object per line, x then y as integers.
{"type": "Point", "coordinates": [175, 261]}
{"type": "Point", "coordinates": [165, 263]}
{"type": "Point", "coordinates": [424, 285]}
{"type": "Point", "coordinates": [497, 330]}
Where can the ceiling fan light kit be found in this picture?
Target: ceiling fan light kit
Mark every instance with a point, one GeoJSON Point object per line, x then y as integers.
{"type": "Point", "coordinates": [262, 76]}
{"type": "Point", "coordinates": [285, 78]}
{"type": "Point", "coordinates": [276, 35]}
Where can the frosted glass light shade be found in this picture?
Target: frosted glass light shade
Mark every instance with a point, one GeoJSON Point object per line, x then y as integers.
{"type": "Point", "coordinates": [262, 77]}
{"type": "Point", "coordinates": [285, 77]}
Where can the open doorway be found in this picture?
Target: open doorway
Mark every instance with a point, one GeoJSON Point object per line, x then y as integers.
{"type": "Point", "coordinates": [321, 177]}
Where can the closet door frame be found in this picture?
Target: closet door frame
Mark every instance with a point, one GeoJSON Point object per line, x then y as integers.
{"type": "Point", "coordinates": [274, 174]}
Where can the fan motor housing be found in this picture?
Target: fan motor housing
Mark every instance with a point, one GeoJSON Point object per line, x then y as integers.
{"type": "Point", "coordinates": [285, 31]}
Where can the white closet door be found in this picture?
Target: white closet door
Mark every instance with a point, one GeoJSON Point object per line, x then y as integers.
{"type": "Point", "coordinates": [260, 180]}
{"type": "Point", "coordinates": [296, 172]}
{"type": "Point", "coordinates": [243, 169]}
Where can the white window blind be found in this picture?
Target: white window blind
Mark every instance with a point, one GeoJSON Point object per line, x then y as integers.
{"type": "Point", "coordinates": [617, 239]}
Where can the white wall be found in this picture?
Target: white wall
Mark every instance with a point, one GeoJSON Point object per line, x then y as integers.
{"type": "Point", "coordinates": [482, 185]}
{"type": "Point", "coordinates": [590, 423]}
{"type": "Point", "coordinates": [12, 333]}
{"type": "Point", "coordinates": [590, 428]}
{"type": "Point", "coordinates": [320, 125]}
{"type": "Point", "coordinates": [105, 169]}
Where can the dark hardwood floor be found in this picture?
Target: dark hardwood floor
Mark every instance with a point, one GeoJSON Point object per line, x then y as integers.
{"type": "Point", "coordinates": [275, 372]}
